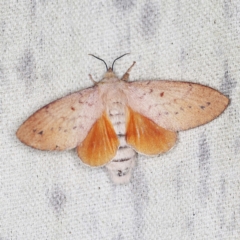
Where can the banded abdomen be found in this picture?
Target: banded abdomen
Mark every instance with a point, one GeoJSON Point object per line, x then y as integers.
{"type": "Point", "coordinates": [120, 168]}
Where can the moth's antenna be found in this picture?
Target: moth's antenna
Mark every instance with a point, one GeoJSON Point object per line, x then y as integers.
{"type": "Point", "coordinates": [99, 59]}
{"type": "Point", "coordinates": [118, 58]}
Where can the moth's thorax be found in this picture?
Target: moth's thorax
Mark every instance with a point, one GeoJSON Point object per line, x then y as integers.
{"type": "Point", "coordinates": [117, 111]}
{"type": "Point", "coordinates": [109, 80]}
{"type": "Point", "coordinates": [108, 75]}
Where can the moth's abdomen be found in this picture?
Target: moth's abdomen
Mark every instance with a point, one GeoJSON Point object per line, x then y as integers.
{"type": "Point", "coordinates": [120, 168]}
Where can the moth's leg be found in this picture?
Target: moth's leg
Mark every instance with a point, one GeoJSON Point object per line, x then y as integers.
{"type": "Point", "coordinates": [126, 75]}
{"type": "Point", "coordinates": [91, 78]}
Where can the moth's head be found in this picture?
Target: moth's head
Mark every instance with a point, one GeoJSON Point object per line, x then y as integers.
{"type": "Point", "coordinates": [109, 74]}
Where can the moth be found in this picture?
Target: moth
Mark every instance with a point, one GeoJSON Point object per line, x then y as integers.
{"type": "Point", "coordinates": [112, 121]}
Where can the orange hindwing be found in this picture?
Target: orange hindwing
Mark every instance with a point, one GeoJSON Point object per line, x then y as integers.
{"type": "Point", "coordinates": [101, 143]}
{"type": "Point", "coordinates": [147, 137]}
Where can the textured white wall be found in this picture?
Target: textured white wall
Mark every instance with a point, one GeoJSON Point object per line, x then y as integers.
{"type": "Point", "coordinates": [192, 192]}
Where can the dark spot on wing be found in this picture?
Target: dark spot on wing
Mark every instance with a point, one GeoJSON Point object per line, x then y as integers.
{"type": "Point", "coordinates": [202, 107]}
{"type": "Point", "coordinates": [74, 127]}
{"type": "Point", "coordinates": [208, 103]}
{"type": "Point", "coordinates": [161, 94]}
{"type": "Point", "coordinates": [65, 130]}
{"type": "Point", "coordinates": [176, 112]}
{"type": "Point", "coordinates": [73, 108]}
{"type": "Point", "coordinates": [148, 82]}
{"type": "Point", "coordinates": [41, 133]}
{"type": "Point", "coordinates": [141, 97]}
{"type": "Point", "coordinates": [34, 130]}
{"type": "Point", "coordinates": [181, 109]}
{"type": "Point", "coordinates": [189, 106]}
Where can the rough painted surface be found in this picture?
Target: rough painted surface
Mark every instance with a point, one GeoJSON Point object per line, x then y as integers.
{"type": "Point", "coordinates": [192, 192]}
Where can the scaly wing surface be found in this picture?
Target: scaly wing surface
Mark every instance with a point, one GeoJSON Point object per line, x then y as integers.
{"type": "Point", "coordinates": [175, 105]}
{"type": "Point", "coordinates": [64, 123]}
